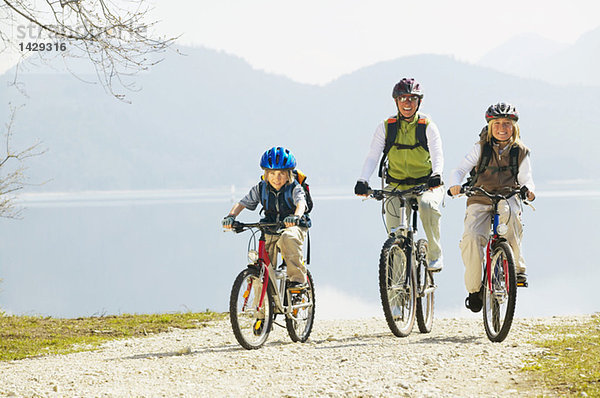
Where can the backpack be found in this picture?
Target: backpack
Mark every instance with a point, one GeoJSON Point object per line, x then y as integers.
{"type": "Point", "coordinates": [301, 178]}
{"type": "Point", "coordinates": [392, 132]}
{"type": "Point", "coordinates": [486, 156]}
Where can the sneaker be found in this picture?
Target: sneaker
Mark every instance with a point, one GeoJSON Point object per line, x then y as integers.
{"type": "Point", "coordinates": [436, 265]}
{"type": "Point", "coordinates": [258, 327]}
{"type": "Point", "coordinates": [522, 279]}
{"type": "Point", "coordinates": [473, 302]}
{"type": "Point", "coordinates": [296, 285]}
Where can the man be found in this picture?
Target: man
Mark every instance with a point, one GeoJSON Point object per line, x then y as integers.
{"type": "Point", "coordinates": [410, 149]}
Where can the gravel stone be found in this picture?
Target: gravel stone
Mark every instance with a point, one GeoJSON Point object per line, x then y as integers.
{"type": "Point", "coordinates": [342, 358]}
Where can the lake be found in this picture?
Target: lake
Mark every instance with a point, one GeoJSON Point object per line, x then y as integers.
{"type": "Point", "coordinates": [101, 253]}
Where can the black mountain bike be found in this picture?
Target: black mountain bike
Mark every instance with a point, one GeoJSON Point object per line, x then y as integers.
{"type": "Point", "coordinates": [405, 285]}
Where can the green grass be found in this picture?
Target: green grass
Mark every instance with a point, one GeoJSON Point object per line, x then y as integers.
{"type": "Point", "coordinates": [570, 362]}
{"type": "Point", "coordinates": [29, 336]}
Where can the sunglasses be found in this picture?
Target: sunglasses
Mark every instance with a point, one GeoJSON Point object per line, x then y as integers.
{"type": "Point", "coordinates": [411, 98]}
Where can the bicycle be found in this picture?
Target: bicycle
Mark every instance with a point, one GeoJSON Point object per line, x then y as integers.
{"type": "Point", "coordinates": [406, 286]}
{"type": "Point", "coordinates": [499, 282]}
{"type": "Point", "coordinates": [261, 292]}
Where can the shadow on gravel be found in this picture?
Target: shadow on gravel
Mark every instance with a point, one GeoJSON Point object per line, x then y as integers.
{"type": "Point", "coordinates": [354, 341]}
{"type": "Point", "coordinates": [449, 339]}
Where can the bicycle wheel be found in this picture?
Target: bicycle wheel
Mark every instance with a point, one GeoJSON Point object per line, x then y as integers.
{"type": "Point", "coordinates": [424, 281]}
{"type": "Point", "coordinates": [250, 326]}
{"type": "Point", "coordinates": [397, 289]}
{"type": "Point", "coordinates": [500, 294]}
{"type": "Point", "coordinates": [299, 322]}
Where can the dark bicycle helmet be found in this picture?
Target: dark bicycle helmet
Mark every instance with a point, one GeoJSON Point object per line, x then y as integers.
{"type": "Point", "coordinates": [501, 109]}
{"type": "Point", "coordinates": [407, 86]}
{"type": "Point", "coordinates": [278, 158]}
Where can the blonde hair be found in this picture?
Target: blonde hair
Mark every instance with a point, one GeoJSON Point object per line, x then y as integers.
{"type": "Point", "coordinates": [290, 175]}
{"type": "Point", "coordinates": [516, 135]}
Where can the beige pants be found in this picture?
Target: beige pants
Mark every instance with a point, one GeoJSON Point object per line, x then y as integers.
{"type": "Point", "coordinates": [429, 212]}
{"type": "Point", "coordinates": [289, 244]}
{"type": "Point", "coordinates": [477, 231]}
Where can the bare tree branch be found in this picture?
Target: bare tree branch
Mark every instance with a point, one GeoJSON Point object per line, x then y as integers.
{"type": "Point", "coordinates": [12, 170]}
{"type": "Point", "coordinates": [116, 38]}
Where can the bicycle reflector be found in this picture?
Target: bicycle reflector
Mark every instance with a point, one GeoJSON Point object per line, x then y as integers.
{"type": "Point", "coordinates": [502, 229]}
{"type": "Point", "coordinates": [252, 256]}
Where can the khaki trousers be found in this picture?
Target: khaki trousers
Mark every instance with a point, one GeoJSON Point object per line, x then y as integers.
{"type": "Point", "coordinates": [429, 212]}
{"type": "Point", "coordinates": [289, 244]}
{"type": "Point", "coordinates": [476, 234]}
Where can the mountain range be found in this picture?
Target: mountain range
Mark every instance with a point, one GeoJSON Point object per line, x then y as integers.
{"type": "Point", "coordinates": [203, 119]}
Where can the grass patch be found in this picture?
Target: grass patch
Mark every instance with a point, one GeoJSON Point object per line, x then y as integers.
{"type": "Point", "coordinates": [29, 336]}
{"type": "Point", "coordinates": [570, 362]}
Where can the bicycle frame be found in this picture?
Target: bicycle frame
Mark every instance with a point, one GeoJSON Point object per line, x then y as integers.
{"type": "Point", "coordinates": [407, 230]}
{"type": "Point", "coordinates": [494, 237]}
{"type": "Point", "coordinates": [278, 292]}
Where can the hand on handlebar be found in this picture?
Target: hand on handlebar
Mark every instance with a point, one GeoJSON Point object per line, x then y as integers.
{"type": "Point", "coordinates": [454, 190]}
{"type": "Point", "coordinates": [361, 188]}
{"type": "Point", "coordinates": [291, 220]}
{"type": "Point", "coordinates": [228, 221]}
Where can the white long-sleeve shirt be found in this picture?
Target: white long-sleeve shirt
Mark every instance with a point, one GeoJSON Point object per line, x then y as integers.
{"type": "Point", "coordinates": [524, 177]}
{"type": "Point", "coordinates": [434, 142]}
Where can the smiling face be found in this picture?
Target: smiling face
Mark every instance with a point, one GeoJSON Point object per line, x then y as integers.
{"type": "Point", "coordinates": [278, 178]}
{"type": "Point", "coordinates": [502, 129]}
{"type": "Point", "coordinates": [407, 105]}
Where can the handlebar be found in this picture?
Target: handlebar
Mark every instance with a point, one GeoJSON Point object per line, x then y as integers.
{"type": "Point", "coordinates": [379, 194]}
{"type": "Point", "coordinates": [238, 226]}
{"type": "Point", "coordinates": [470, 191]}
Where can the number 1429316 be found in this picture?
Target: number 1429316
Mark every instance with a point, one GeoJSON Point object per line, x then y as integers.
{"type": "Point", "coordinates": [43, 46]}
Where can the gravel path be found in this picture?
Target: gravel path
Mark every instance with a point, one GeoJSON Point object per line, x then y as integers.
{"type": "Point", "coordinates": [355, 358]}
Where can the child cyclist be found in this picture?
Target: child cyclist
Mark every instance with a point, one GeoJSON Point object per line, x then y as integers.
{"type": "Point", "coordinates": [506, 168]}
{"type": "Point", "coordinates": [283, 199]}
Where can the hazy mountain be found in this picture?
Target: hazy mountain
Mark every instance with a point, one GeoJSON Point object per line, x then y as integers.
{"type": "Point", "coordinates": [203, 119]}
{"type": "Point", "coordinates": [531, 56]}
{"type": "Point", "coordinates": [519, 55]}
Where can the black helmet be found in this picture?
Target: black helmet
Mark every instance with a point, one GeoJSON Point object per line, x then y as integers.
{"type": "Point", "coordinates": [407, 86]}
{"type": "Point", "coordinates": [501, 109]}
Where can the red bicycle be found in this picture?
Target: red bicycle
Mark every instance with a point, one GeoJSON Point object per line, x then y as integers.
{"type": "Point", "coordinates": [261, 292]}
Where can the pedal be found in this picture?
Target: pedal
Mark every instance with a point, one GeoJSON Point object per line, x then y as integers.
{"type": "Point", "coordinates": [522, 284]}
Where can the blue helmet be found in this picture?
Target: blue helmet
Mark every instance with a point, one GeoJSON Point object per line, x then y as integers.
{"type": "Point", "coordinates": [278, 158]}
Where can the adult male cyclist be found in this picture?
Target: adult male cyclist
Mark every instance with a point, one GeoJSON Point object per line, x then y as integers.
{"type": "Point", "coordinates": [410, 149]}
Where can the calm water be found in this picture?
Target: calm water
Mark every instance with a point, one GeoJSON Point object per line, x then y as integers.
{"type": "Point", "coordinates": [165, 253]}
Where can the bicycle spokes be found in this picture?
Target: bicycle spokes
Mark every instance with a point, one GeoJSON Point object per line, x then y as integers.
{"type": "Point", "coordinates": [499, 293]}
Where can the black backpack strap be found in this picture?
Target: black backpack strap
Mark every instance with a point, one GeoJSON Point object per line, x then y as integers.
{"type": "Point", "coordinates": [482, 164]}
{"type": "Point", "coordinates": [513, 161]}
{"type": "Point", "coordinates": [308, 246]}
{"type": "Point", "coordinates": [421, 133]}
{"type": "Point", "coordinates": [391, 131]}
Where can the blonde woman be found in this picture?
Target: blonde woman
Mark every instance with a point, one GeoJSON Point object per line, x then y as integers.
{"type": "Point", "coordinates": [499, 161]}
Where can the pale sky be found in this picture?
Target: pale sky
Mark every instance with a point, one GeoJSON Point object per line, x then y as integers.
{"type": "Point", "coordinates": [314, 41]}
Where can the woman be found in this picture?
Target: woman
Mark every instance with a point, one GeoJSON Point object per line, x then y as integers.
{"type": "Point", "coordinates": [508, 166]}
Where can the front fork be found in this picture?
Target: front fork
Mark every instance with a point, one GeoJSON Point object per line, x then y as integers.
{"type": "Point", "coordinates": [264, 269]}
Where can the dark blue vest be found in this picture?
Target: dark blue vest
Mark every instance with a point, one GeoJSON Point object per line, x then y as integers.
{"type": "Point", "coordinates": [277, 205]}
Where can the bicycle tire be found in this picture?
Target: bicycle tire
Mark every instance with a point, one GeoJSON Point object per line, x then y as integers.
{"type": "Point", "coordinates": [500, 303]}
{"type": "Point", "coordinates": [299, 324]}
{"type": "Point", "coordinates": [243, 313]}
{"type": "Point", "coordinates": [424, 278]}
{"type": "Point", "coordinates": [397, 299]}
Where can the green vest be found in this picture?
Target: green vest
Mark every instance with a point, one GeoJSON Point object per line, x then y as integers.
{"type": "Point", "coordinates": [408, 163]}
